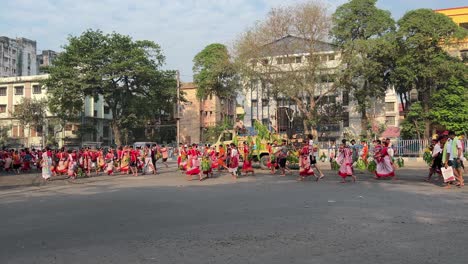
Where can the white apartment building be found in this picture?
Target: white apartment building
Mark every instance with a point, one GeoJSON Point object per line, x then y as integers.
{"type": "Point", "coordinates": [96, 116]}
{"type": "Point", "coordinates": [281, 114]}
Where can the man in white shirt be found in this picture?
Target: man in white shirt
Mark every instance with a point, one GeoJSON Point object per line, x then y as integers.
{"type": "Point", "coordinates": [454, 153]}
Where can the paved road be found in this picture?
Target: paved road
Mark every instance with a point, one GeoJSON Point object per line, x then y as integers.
{"type": "Point", "coordinates": [261, 219]}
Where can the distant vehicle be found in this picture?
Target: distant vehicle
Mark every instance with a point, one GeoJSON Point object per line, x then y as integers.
{"type": "Point", "coordinates": [143, 144]}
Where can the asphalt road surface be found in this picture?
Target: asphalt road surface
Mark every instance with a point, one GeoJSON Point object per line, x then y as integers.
{"type": "Point", "coordinates": [260, 219]}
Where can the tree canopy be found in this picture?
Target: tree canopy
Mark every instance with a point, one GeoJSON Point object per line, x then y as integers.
{"type": "Point", "coordinates": [283, 53]}
{"type": "Point", "coordinates": [124, 73]}
{"type": "Point", "coordinates": [214, 73]}
{"type": "Point", "coordinates": [365, 36]}
{"type": "Point", "coordinates": [422, 63]}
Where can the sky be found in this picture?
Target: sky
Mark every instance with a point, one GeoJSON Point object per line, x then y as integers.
{"type": "Point", "coordinates": [181, 27]}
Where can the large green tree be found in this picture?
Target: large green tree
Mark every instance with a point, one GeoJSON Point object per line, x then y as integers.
{"type": "Point", "coordinates": [422, 63]}
{"type": "Point", "coordinates": [30, 112]}
{"type": "Point", "coordinates": [450, 107]}
{"type": "Point", "coordinates": [365, 36]}
{"type": "Point", "coordinates": [124, 73]}
{"type": "Point", "coordinates": [214, 73]}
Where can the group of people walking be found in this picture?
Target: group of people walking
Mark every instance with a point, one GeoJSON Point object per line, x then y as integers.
{"type": "Point", "coordinates": [446, 154]}
{"type": "Point", "coordinates": [87, 161]}
{"type": "Point", "coordinates": [201, 161]}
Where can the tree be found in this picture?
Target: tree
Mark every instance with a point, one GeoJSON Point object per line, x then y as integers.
{"type": "Point", "coordinates": [30, 113]}
{"type": "Point", "coordinates": [113, 68]}
{"type": "Point", "coordinates": [422, 62]}
{"type": "Point", "coordinates": [365, 36]}
{"type": "Point", "coordinates": [281, 52]}
{"type": "Point", "coordinates": [450, 107]}
{"type": "Point", "coordinates": [214, 73]}
{"type": "Point", "coordinates": [413, 125]}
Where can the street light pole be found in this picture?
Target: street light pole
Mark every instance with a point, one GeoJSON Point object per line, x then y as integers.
{"type": "Point", "coordinates": [178, 109]}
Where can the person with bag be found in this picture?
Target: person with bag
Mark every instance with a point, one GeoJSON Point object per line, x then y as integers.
{"type": "Point", "coordinates": [452, 158]}
{"type": "Point", "coordinates": [436, 165]}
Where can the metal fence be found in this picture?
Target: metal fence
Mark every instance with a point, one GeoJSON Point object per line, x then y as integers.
{"type": "Point", "coordinates": [403, 147]}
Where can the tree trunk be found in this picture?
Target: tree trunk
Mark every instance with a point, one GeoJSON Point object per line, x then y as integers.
{"type": "Point", "coordinates": [427, 123]}
{"type": "Point", "coordinates": [364, 122]}
{"type": "Point", "coordinates": [117, 134]}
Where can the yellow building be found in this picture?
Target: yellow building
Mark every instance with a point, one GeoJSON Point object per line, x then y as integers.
{"type": "Point", "coordinates": [460, 16]}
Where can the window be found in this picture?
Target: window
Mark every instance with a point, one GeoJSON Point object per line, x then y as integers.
{"type": "Point", "coordinates": [3, 91]}
{"type": "Point", "coordinates": [68, 127]}
{"type": "Point", "coordinates": [390, 106]}
{"type": "Point", "coordinates": [345, 119]}
{"type": "Point", "coordinates": [265, 62]}
{"type": "Point", "coordinates": [299, 59]}
{"type": "Point", "coordinates": [390, 121]}
{"type": "Point", "coordinates": [345, 99]}
{"type": "Point", "coordinates": [331, 57]}
{"type": "Point", "coordinates": [279, 61]}
{"type": "Point", "coordinates": [254, 103]}
{"type": "Point", "coordinates": [105, 131]}
{"type": "Point", "coordinates": [37, 89]}
{"type": "Point", "coordinates": [2, 109]}
{"type": "Point", "coordinates": [95, 113]}
{"type": "Point", "coordinates": [19, 90]}
{"type": "Point", "coordinates": [106, 110]}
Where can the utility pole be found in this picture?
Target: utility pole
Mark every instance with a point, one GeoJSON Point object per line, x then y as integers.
{"type": "Point", "coordinates": [178, 109]}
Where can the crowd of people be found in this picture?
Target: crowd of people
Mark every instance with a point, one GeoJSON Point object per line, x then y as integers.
{"type": "Point", "coordinates": [84, 162]}
{"type": "Point", "coordinates": [447, 154]}
{"type": "Point", "coordinates": [202, 161]}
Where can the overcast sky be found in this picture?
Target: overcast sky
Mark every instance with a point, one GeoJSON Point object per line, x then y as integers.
{"type": "Point", "coordinates": [181, 27]}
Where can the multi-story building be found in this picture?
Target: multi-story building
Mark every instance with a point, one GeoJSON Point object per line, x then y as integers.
{"type": "Point", "coordinates": [17, 57]}
{"type": "Point", "coordinates": [459, 15]}
{"type": "Point", "coordinates": [93, 126]}
{"type": "Point", "coordinates": [339, 116]}
{"type": "Point", "coordinates": [46, 58]}
{"type": "Point", "coordinates": [197, 115]}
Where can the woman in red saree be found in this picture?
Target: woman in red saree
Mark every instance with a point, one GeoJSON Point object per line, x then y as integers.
{"type": "Point", "coordinates": [193, 164]}
{"type": "Point", "coordinates": [345, 159]}
{"type": "Point", "coordinates": [247, 166]}
{"type": "Point", "coordinates": [305, 167]}
{"type": "Point", "coordinates": [385, 167]}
